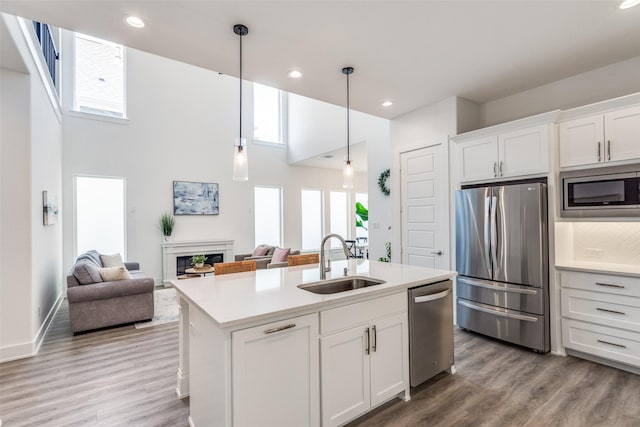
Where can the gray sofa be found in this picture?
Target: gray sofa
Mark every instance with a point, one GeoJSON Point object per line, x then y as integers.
{"type": "Point", "coordinates": [102, 304]}
{"type": "Point", "coordinates": [264, 261]}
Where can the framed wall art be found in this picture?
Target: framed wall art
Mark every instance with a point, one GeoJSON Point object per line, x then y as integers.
{"type": "Point", "coordinates": [195, 198]}
{"type": "Point", "coordinates": [49, 208]}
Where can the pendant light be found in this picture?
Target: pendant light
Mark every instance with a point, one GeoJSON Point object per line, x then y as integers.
{"type": "Point", "coordinates": [240, 166]}
{"type": "Point", "coordinates": [347, 174]}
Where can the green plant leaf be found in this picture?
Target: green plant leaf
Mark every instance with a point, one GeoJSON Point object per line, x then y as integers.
{"type": "Point", "coordinates": [362, 212]}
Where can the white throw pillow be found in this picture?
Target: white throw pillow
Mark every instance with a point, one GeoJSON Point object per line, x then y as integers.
{"type": "Point", "coordinates": [109, 274]}
{"type": "Point", "coordinates": [114, 260]}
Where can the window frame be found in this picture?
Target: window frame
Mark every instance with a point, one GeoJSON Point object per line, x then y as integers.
{"type": "Point", "coordinates": [94, 113]}
{"type": "Point", "coordinates": [75, 210]}
{"type": "Point", "coordinates": [281, 208]}
{"type": "Point", "coordinates": [283, 105]}
{"type": "Point", "coordinates": [322, 219]}
{"type": "Point", "coordinates": [349, 214]}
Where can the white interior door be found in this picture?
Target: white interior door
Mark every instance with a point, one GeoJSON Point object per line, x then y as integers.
{"type": "Point", "coordinates": [425, 222]}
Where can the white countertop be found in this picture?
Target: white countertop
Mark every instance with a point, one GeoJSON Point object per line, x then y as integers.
{"type": "Point", "coordinates": [235, 299]}
{"type": "Point", "coordinates": [601, 267]}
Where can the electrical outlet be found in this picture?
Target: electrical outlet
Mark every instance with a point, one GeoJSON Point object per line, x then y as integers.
{"type": "Point", "coordinates": [595, 253]}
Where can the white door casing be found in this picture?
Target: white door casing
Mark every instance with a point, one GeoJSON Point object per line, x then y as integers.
{"type": "Point", "coordinates": [424, 207]}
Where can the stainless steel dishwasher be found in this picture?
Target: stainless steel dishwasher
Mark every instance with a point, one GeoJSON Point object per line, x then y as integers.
{"type": "Point", "coordinates": [430, 330]}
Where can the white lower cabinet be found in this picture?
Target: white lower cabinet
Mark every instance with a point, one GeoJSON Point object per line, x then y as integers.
{"type": "Point", "coordinates": [365, 365]}
{"type": "Point", "coordinates": [275, 373]}
{"type": "Point", "coordinates": [601, 315]}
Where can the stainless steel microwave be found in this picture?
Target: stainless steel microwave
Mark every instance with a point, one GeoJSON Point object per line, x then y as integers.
{"type": "Point", "coordinates": [606, 192]}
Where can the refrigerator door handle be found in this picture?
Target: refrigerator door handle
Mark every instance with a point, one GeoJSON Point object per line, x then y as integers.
{"type": "Point", "coordinates": [496, 312]}
{"type": "Point", "coordinates": [494, 234]}
{"type": "Point", "coordinates": [487, 233]}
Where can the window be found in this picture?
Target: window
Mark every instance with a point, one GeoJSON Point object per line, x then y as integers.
{"type": "Point", "coordinates": [99, 77]}
{"type": "Point", "coordinates": [339, 214]}
{"type": "Point", "coordinates": [267, 114]}
{"type": "Point", "coordinates": [100, 215]}
{"type": "Point", "coordinates": [311, 219]}
{"type": "Point", "coordinates": [362, 225]}
{"type": "Point", "coordinates": [268, 216]}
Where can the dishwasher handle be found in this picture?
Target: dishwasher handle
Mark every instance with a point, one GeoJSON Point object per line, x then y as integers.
{"type": "Point", "coordinates": [432, 297]}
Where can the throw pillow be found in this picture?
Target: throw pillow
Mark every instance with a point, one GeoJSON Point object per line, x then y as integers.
{"type": "Point", "coordinates": [109, 274]}
{"type": "Point", "coordinates": [114, 260]}
{"type": "Point", "coordinates": [261, 250]}
{"type": "Point", "coordinates": [280, 254]}
{"type": "Point", "coordinates": [91, 256]}
{"type": "Point", "coordinates": [86, 273]}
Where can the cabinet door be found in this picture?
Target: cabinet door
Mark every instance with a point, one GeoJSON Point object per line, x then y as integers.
{"type": "Point", "coordinates": [345, 376]}
{"type": "Point", "coordinates": [389, 358]}
{"type": "Point", "coordinates": [524, 152]}
{"type": "Point", "coordinates": [581, 141]}
{"type": "Point", "coordinates": [622, 129]}
{"type": "Point", "coordinates": [478, 159]}
{"type": "Point", "coordinates": [275, 374]}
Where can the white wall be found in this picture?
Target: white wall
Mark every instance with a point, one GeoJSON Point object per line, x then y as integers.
{"type": "Point", "coordinates": [31, 275]}
{"type": "Point", "coordinates": [182, 126]}
{"type": "Point", "coordinates": [611, 81]}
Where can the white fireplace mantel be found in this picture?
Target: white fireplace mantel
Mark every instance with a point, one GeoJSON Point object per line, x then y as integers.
{"type": "Point", "coordinates": [171, 251]}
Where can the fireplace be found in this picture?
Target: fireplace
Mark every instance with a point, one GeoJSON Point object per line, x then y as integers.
{"type": "Point", "coordinates": [184, 262]}
{"type": "Point", "coordinates": [216, 250]}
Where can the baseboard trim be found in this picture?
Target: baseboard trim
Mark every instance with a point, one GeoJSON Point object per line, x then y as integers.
{"type": "Point", "coordinates": [603, 361]}
{"type": "Point", "coordinates": [31, 348]}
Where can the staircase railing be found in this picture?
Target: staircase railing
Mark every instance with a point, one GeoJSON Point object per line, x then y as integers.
{"type": "Point", "coordinates": [48, 47]}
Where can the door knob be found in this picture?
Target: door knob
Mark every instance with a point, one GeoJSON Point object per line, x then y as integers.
{"type": "Point", "coordinates": [438, 252]}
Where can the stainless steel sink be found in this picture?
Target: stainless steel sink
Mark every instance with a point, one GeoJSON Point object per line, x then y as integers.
{"type": "Point", "coordinates": [342, 284]}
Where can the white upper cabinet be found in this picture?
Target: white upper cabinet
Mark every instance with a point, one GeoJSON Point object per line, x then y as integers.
{"type": "Point", "coordinates": [622, 129]}
{"type": "Point", "coordinates": [505, 155]}
{"type": "Point", "coordinates": [600, 139]}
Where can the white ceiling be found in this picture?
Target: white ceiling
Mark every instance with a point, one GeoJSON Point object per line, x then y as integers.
{"type": "Point", "coordinates": [413, 53]}
{"type": "Point", "coordinates": [357, 154]}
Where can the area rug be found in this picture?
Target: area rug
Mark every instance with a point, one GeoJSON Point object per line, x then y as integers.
{"type": "Point", "coordinates": [165, 308]}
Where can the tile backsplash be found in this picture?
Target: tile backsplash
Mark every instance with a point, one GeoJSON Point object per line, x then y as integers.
{"type": "Point", "coordinates": [607, 242]}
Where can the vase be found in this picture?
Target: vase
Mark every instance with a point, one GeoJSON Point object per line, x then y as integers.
{"type": "Point", "coordinates": [166, 239]}
{"type": "Point", "coordinates": [199, 264]}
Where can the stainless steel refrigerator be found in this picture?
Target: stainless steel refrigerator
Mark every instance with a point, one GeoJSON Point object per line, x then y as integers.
{"type": "Point", "coordinates": [502, 262]}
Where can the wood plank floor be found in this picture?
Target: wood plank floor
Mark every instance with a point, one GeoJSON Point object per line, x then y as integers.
{"type": "Point", "coordinates": [127, 377]}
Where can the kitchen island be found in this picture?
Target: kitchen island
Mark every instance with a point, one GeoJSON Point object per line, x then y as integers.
{"type": "Point", "coordinates": [257, 350]}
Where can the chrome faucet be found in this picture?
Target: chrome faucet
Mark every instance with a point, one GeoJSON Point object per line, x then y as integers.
{"type": "Point", "coordinates": [323, 268]}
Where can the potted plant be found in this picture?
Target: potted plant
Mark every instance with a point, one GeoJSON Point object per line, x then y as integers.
{"type": "Point", "coordinates": [198, 261]}
{"type": "Point", "coordinates": [167, 221]}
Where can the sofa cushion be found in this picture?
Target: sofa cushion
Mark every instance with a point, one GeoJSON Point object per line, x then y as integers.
{"type": "Point", "coordinates": [110, 274]}
{"type": "Point", "coordinates": [91, 256]}
{"type": "Point", "coordinates": [280, 255]}
{"type": "Point", "coordinates": [261, 250]}
{"type": "Point", "coordinates": [114, 260]}
{"type": "Point", "coordinates": [104, 290]}
{"type": "Point", "coordinates": [271, 250]}
{"type": "Point", "coordinates": [86, 272]}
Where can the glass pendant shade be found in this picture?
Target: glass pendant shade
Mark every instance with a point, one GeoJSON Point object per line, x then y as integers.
{"type": "Point", "coordinates": [347, 176]}
{"type": "Point", "coordinates": [240, 164]}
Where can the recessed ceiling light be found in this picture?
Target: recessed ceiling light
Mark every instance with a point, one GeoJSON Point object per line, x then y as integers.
{"type": "Point", "coordinates": [134, 21]}
{"type": "Point", "coordinates": [295, 74]}
{"type": "Point", "coordinates": [626, 4]}
{"type": "Point", "coordinates": [387, 104]}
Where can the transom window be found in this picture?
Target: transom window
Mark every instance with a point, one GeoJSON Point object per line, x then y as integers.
{"type": "Point", "coordinates": [99, 83]}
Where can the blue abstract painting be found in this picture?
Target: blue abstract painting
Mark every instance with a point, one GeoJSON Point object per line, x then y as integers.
{"type": "Point", "coordinates": [195, 198]}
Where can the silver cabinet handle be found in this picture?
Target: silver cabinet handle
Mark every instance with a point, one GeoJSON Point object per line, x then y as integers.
{"type": "Point", "coordinates": [498, 313]}
{"type": "Point", "coordinates": [599, 156]}
{"type": "Point", "coordinates": [610, 311]}
{"type": "Point", "coordinates": [500, 169]}
{"type": "Point", "coordinates": [438, 252]}
{"type": "Point", "coordinates": [431, 297]}
{"type": "Point", "coordinates": [498, 288]}
{"type": "Point", "coordinates": [610, 285]}
{"type": "Point", "coordinates": [495, 171]}
{"type": "Point", "coordinates": [280, 328]}
{"type": "Point", "coordinates": [613, 344]}
{"type": "Point", "coordinates": [374, 342]}
{"type": "Point", "coordinates": [367, 348]}
{"type": "Point", "coordinates": [608, 150]}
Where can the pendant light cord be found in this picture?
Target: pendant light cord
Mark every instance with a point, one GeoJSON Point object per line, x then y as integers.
{"type": "Point", "coordinates": [240, 141]}
{"type": "Point", "coordinates": [348, 158]}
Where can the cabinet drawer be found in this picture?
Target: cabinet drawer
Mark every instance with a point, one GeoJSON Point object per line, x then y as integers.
{"type": "Point", "coordinates": [359, 313]}
{"type": "Point", "coordinates": [610, 343]}
{"type": "Point", "coordinates": [514, 297]}
{"type": "Point", "coordinates": [604, 309]}
{"type": "Point", "coordinates": [609, 283]}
